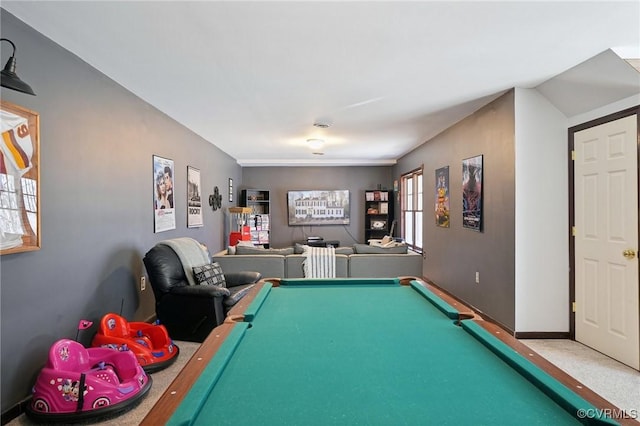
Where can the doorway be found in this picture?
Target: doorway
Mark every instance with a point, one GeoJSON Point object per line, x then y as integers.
{"type": "Point", "coordinates": [604, 277]}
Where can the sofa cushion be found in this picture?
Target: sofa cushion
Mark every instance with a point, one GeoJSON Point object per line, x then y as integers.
{"type": "Point", "coordinates": [211, 274]}
{"type": "Point", "coordinates": [344, 250]}
{"type": "Point", "coordinates": [259, 250]}
{"type": "Point", "coordinates": [367, 249]}
{"type": "Point", "coordinates": [231, 250]}
{"type": "Point", "coordinates": [299, 249]}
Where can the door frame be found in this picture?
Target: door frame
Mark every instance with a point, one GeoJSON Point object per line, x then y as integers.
{"type": "Point", "coordinates": [572, 244]}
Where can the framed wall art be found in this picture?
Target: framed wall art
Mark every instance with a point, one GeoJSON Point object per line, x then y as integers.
{"type": "Point", "coordinates": [318, 207]}
{"type": "Point", "coordinates": [19, 179]}
{"type": "Point", "coordinates": [194, 198]}
{"type": "Point", "coordinates": [164, 195]}
{"type": "Point", "coordinates": [442, 197]}
{"type": "Point", "coordinates": [472, 170]}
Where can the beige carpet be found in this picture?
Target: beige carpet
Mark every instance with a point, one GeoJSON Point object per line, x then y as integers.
{"type": "Point", "coordinates": [161, 380]}
{"type": "Point", "coordinates": [612, 380]}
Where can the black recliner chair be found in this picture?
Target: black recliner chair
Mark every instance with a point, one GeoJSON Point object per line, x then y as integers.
{"type": "Point", "coordinates": [190, 312]}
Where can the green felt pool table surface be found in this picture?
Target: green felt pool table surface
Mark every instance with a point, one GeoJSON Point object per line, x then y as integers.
{"type": "Point", "coordinates": [367, 352]}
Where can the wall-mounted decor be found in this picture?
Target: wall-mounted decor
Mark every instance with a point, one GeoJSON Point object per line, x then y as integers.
{"type": "Point", "coordinates": [442, 197]}
{"type": "Point", "coordinates": [230, 190]}
{"type": "Point", "coordinates": [472, 169]}
{"type": "Point", "coordinates": [378, 224]}
{"type": "Point", "coordinates": [194, 200]}
{"type": "Point", "coordinates": [19, 179]}
{"type": "Point", "coordinates": [164, 195]}
{"type": "Point", "coordinates": [318, 207]}
{"type": "Point", "coordinates": [215, 199]}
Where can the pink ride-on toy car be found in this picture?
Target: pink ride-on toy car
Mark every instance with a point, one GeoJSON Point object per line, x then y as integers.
{"type": "Point", "coordinates": [150, 343]}
{"type": "Point", "coordinates": [78, 384]}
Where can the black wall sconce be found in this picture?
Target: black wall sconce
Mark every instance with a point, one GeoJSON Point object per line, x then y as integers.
{"type": "Point", "coordinates": [215, 199]}
{"type": "Point", "coordinates": [9, 78]}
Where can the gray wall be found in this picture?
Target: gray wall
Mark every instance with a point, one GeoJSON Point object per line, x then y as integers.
{"type": "Point", "coordinates": [97, 143]}
{"type": "Point", "coordinates": [455, 254]}
{"type": "Point", "coordinates": [279, 180]}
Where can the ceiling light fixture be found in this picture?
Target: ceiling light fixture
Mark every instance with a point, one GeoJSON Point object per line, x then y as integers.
{"type": "Point", "coordinates": [315, 144]}
{"type": "Point", "coordinates": [9, 78]}
{"type": "Point", "coordinates": [320, 125]}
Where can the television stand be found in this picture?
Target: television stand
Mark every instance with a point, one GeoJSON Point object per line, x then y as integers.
{"type": "Point", "coordinates": [320, 243]}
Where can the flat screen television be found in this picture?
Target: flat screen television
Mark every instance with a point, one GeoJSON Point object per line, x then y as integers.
{"type": "Point", "coordinates": [318, 207]}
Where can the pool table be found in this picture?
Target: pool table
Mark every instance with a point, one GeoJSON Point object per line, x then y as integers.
{"type": "Point", "coordinates": [361, 352]}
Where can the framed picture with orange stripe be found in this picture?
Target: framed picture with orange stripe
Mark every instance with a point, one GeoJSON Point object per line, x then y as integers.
{"type": "Point", "coordinates": [19, 179]}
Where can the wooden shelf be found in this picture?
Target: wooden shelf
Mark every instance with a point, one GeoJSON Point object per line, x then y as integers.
{"type": "Point", "coordinates": [257, 201]}
{"type": "Point", "coordinates": [378, 214]}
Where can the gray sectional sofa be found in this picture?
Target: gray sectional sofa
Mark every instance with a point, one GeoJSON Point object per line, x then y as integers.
{"type": "Point", "coordinates": [359, 261]}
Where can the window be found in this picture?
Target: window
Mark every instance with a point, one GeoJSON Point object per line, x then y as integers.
{"type": "Point", "coordinates": [411, 206]}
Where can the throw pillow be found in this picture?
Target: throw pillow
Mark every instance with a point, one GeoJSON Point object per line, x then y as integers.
{"type": "Point", "coordinates": [367, 249]}
{"type": "Point", "coordinates": [260, 250]}
{"type": "Point", "coordinates": [300, 248]}
{"type": "Point", "coordinates": [210, 274]}
{"type": "Point", "coordinates": [231, 250]}
{"type": "Point", "coordinates": [344, 250]}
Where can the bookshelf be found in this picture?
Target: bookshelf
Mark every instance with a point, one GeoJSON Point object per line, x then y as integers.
{"type": "Point", "coordinates": [259, 218]}
{"type": "Point", "coordinates": [378, 214]}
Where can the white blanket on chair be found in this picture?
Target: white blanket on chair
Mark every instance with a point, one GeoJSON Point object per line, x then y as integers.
{"type": "Point", "coordinates": [191, 253]}
{"type": "Point", "coordinates": [320, 262]}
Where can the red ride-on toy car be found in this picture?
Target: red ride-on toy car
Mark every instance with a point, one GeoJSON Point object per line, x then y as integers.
{"type": "Point", "coordinates": [78, 384]}
{"type": "Point", "coordinates": [150, 343]}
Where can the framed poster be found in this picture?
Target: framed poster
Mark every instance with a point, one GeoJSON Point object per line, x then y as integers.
{"type": "Point", "coordinates": [194, 199]}
{"type": "Point", "coordinates": [472, 169]}
{"type": "Point", "coordinates": [442, 197]}
{"type": "Point", "coordinates": [163, 190]}
{"type": "Point", "coordinates": [19, 179]}
{"type": "Point", "coordinates": [318, 207]}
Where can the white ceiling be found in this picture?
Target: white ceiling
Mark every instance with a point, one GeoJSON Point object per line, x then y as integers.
{"type": "Point", "coordinates": [253, 77]}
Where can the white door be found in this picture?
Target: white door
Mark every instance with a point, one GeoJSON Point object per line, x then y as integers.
{"type": "Point", "coordinates": [607, 314]}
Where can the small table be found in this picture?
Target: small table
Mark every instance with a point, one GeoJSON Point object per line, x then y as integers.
{"type": "Point", "coordinates": [320, 243]}
{"type": "Point", "coordinates": [336, 359]}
